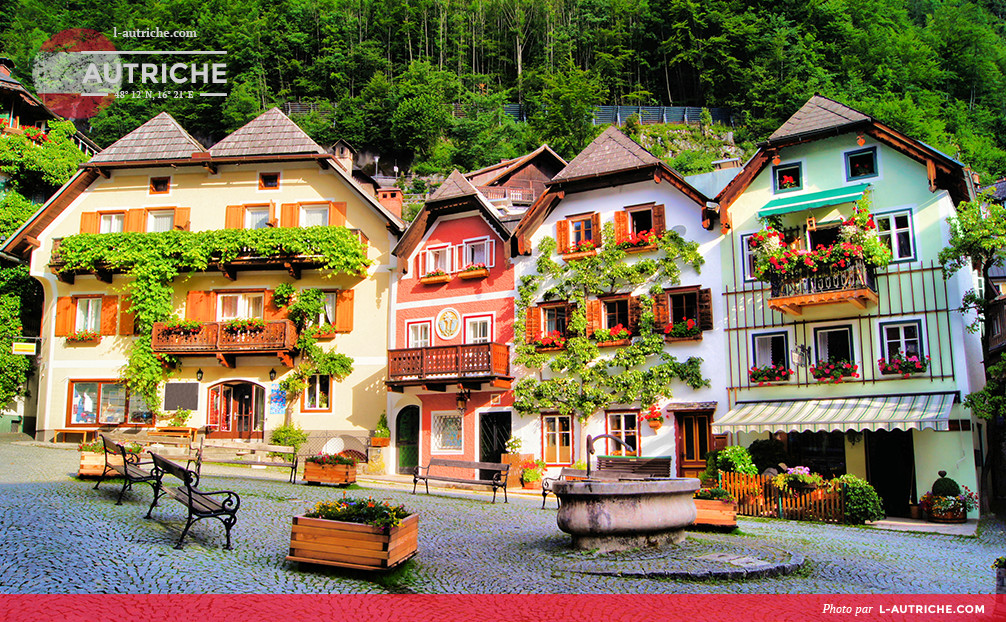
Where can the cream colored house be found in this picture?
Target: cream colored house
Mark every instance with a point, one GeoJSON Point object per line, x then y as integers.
{"type": "Point", "coordinates": [266, 175]}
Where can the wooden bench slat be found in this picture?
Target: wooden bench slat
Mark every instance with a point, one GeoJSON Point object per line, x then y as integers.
{"type": "Point", "coordinates": [502, 468]}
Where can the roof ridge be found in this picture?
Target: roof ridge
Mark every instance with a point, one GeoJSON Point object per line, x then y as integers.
{"type": "Point", "coordinates": [610, 152]}
{"type": "Point", "coordinates": [818, 113]}
{"type": "Point", "coordinates": [160, 138]}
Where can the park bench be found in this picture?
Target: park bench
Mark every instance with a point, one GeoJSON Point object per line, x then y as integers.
{"type": "Point", "coordinates": [566, 474]}
{"type": "Point", "coordinates": [127, 465]}
{"type": "Point", "coordinates": [498, 481]}
{"type": "Point", "coordinates": [245, 453]}
{"type": "Point", "coordinates": [200, 504]}
{"type": "Point", "coordinates": [654, 466]}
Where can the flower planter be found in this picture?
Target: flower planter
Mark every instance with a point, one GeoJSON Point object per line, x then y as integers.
{"type": "Point", "coordinates": [81, 342]}
{"type": "Point", "coordinates": [342, 474]}
{"type": "Point", "coordinates": [669, 339]}
{"type": "Point", "coordinates": [532, 485]}
{"type": "Point", "coordinates": [93, 464]}
{"type": "Point", "coordinates": [579, 255]}
{"type": "Point", "coordinates": [515, 472]}
{"type": "Point", "coordinates": [656, 424]}
{"type": "Point", "coordinates": [952, 516]}
{"type": "Point", "coordinates": [352, 545]}
{"type": "Point", "coordinates": [435, 279]}
{"type": "Point", "coordinates": [549, 348]}
{"type": "Point", "coordinates": [716, 512]}
{"type": "Point", "coordinates": [614, 343]}
{"type": "Point", "coordinates": [379, 441]}
{"type": "Point", "coordinates": [640, 249]}
{"type": "Point", "coordinates": [481, 273]}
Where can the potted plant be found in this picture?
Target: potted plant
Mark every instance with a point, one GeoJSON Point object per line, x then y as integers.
{"type": "Point", "coordinates": [515, 459]}
{"type": "Point", "coordinates": [382, 435]}
{"type": "Point", "coordinates": [999, 565]}
{"type": "Point", "coordinates": [654, 417]}
{"type": "Point", "coordinates": [715, 506]}
{"type": "Point", "coordinates": [904, 365]}
{"type": "Point", "coordinates": [330, 468]}
{"type": "Point", "coordinates": [92, 457]}
{"type": "Point", "coordinates": [366, 534]}
{"type": "Point", "coordinates": [946, 502]}
{"type": "Point", "coordinates": [532, 472]}
{"type": "Point", "coordinates": [686, 330]}
{"type": "Point", "coordinates": [84, 336]}
{"type": "Point", "coordinates": [797, 480]}
{"type": "Point", "coordinates": [434, 277]}
{"type": "Point", "coordinates": [767, 374]}
{"type": "Point", "coordinates": [244, 325]}
{"type": "Point", "coordinates": [474, 271]}
{"type": "Point", "coordinates": [834, 370]}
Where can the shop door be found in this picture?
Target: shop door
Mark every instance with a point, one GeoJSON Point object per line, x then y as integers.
{"type": "Point", "coordinates": [237, 410]}
{"type": "Point", "coordinates": [890, 467]}
{"type": "Point", "coordinates": [495, 430]}
{"type": "Point", "coordinates": [407, 439]}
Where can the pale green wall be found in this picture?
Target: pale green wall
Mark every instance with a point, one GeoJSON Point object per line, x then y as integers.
{"type": "Point", "coordinates": [947, 451]}
{"type": "Point", "coordinates": [855, 457]}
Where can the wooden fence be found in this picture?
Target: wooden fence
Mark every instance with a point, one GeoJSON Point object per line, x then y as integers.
{"type": "Point", "coordinates": [757, 496]}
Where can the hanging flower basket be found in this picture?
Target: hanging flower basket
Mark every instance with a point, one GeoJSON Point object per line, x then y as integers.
{"type": "Point", "coordinates": [654, 418]}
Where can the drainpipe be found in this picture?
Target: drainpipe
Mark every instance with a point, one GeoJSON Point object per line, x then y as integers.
{"type": "Point", "coordinates": [12, 258]}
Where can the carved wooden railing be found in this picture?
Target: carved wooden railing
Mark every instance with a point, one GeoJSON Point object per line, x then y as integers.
{"type": "Point", "coordinates": [857, 276]}
{"type": "Point", "coordinates": [441, 362]}
{"type": "Point", "coordinates": [278, 335]}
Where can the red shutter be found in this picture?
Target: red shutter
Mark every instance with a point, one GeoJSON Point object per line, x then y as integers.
{"type": "Point", "coordinates": [562, 236]}
{"type": "Point", "coordinates": [234, 218]}
{"type": "Point", "coordinates": [595, 219]}
{"type": "Point", "coordinates": [199, 306]}
{"type": "Point", "coordinates": [532, 324]}
{"type": "Point", "coordinates": [89, 222]}
{"type": "Point", "coordinates": [126, 320]}
{"type": "Point", "coordinates": [337, 214]}
{"type": "Point", "coordinates": [109, 314]}
{"type": "Point", "coordinates": [289, 214]}
{"type": "Point", "coordinates": [705, 309]}
{"type": "Point", "coordinates": [593, 316]}
{"type": "Point", "coordinates": [635, 311]}
{"type": "Point", "coordinates": [64, 316]}
{"type": "Point", "coordinates": [182, 218]}
{"type": "Point", "coordinates": [661, 312]}
{"type": "Point", "coordinates": [270, 311]}
{"type": "Point", "coordinates": [136, 221]}
{"type": "Point", "coordinates": [659, 223]}
{"type": "Point", "coordinates": [344, 311]}
{"type": "Point", "coordinates": [621, 225]}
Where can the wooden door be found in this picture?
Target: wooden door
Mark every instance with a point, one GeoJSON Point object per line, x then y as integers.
{"type": "Point", "coordinates": [694, 440]}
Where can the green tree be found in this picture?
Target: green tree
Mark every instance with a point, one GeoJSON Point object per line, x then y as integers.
{"type": "Point", "coordinates": [564, 109]}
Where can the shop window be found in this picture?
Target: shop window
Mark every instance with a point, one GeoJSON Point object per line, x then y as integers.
{"type": "Point", "coordinates": [106, 403]}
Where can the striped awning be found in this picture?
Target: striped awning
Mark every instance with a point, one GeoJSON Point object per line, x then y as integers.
{"type": "Point", "coordinates": [903, 412]}
{"type": "Point", "coordinates": [812, 200]}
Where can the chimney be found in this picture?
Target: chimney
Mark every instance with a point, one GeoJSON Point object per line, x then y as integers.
{"type": "Point", "coordinates": [391, 198]}
{"type": "Point", "coordinates": [344, 155]}
{"type": "Point", "coordinates": [719, 165]}
{"type": "Point", "coordinates": [6, 67]}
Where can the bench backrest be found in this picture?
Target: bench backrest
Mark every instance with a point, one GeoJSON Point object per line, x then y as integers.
{"type": "Point", "coordinates": [111, 447]}
{"type": "Point", "coordinates": [658, 467]}
{"type": "Point", "coordinates": [163, 465]}
{"type": "Point", "coordinates": [221, 445]}
{"type": "Point", "coordinates": [465, 464]}
{"type": "Point", "coordinates": [571, 472]}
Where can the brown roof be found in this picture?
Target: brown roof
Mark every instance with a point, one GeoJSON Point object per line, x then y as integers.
{"type": "Point", "coordinates": [610, 152]}
{"type": "Point", "coordinates": [818, 114]}
{"type": "Point", "coordinates": [160, 138]}
{"type": "Point", "coordinates": [270, 133]}
{"type": "Point", "coordinates": [454, 187]}
{"type": "Point", "coordinates": [493, 174]}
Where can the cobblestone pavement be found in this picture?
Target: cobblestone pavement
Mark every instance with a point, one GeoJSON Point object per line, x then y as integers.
{"type": "Point", "coordinates": [61, 536]}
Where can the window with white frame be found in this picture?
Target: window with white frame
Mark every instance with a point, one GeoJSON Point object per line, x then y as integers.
{"type": "Point", "coordinates": [88, 314]}
{"type": "Point", "coordinates": [317, 395]}
{"type": "Point", "coordinates": [419, 334]}
{"type": "Point", "coordinates": [242, 305]}
{"type": "Point", "coordinates": [478, 329]}
{"type": "Point", "coordinates": [834, 343]}
{"type": "Point", "coordinates": [160, 220]}
{"type": "Point", "coordinates": [111, 223]}
{"type": "Point", "coordinates": [640, 219]}
{"type": "Point", "coordinates": [623, 426]}
{"type": "Point", "coordinates": [557, 438]}
{"type": "Point", "coordinates": [439, 259]}
{"type": "Point", "coordinates": [901, 338]}
{"type": "Point", "coordinates": [771, 349]}
{"type": "Point", "coordinates": [327, 315]}
{"type": "Point", "coordinates": [895, 231]}
{"type": "Point", "coordinates": [314, 216]}
{"type": "Point", "coordinates": [747, 257]}
{"type": "Point", "coordinates": [447, 432]}
{"type": "Point", "coordinates": [256, 217]}
{"type": "Point", "coordinates": [477, 252]}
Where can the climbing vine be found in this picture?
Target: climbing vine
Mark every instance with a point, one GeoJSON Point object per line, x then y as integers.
{"type": "Point", "coordinates": [303, 307]}
{"type": "Point", "coordinates": [578, 380]}
{"type": "Point", "coordinates": [154, 260]}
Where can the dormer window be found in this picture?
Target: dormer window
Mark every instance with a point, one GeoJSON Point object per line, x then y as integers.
{"type": "Point", "coordinates": [160, 185]}
{"type": "Point", "coordinates": [268, 181]}
{"type": "Point", "coordinates": [788, 177]}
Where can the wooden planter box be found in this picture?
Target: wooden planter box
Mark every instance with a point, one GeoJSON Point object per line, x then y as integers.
{"type": "Point", "coordinates": [435, 280]}
{"type": "Point", "coordinates": [474, 274]}
{"type": "Point", "coordinates": [515, 472]}
{"type": "Point", "coordinates": [83, 342]}
{"type": "Point", "coordinates": [640, 249]}
{"type": "Point", "coordinates": [342, 474]}
{"type": "Point", "coordinates": [614, 343]}
{"type": "Point", "coordinates": [380, 441]}
{"type": "Point", "coordinates": [716, 512]}
{"type": "Point", "coordinates": [352, 545]}
{"type": "Point", "coordinates": [579, 255]}
{"type": "Point", "coordinates": [670, 339]}
{"type": "Point", "coordinates": [92, 464]}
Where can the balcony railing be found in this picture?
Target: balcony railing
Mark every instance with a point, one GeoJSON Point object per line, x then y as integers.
{"type": "Point", "coordinates": [213, 338]}
{"type": "Point", "coordinates": [854, 284]}
{"type": "Point", "coordinates": [447, 363]}
{"type": "Point", "coordinates": [997, 324]}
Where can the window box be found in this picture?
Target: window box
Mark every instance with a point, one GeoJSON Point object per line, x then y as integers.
{"type": "Point", "coordinates": [476, 273]}
{"type": "Point", "coordinates": [434, 279]}
{"type": "Point", "coordinates": [834, 371]}
{"type": "Point", "coordinates": [770, 374]}
{"type": "Point", "coordinates": [550, 342]}
{"type": "Point", "coordinates": [640, 249]}
{"type": "Point", "coordinates": [352, 545]}
{"type": "Point", "coordinates": [904, 366]}
{"type": "Point", "coordinates": [84, 337]}
{"type": "Point", "coordinates": [579, 255]}
{"type": "Point", "coordinates": [614, 343]}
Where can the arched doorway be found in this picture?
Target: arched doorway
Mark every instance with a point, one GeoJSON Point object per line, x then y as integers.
{"type": "Point", "coordinates": [407, 439]}
{"type": "Point", "coordinates": [236, 410]}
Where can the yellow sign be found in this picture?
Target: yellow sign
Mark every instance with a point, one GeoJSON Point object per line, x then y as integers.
{"type": "Point", "coordinates": [23, 347]}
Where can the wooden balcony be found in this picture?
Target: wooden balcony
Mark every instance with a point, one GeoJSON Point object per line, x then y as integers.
{"type": "Point", "coordinates": [854, 285]}
{"type": "Point", "coordinates": [997, 324]}
{"type": "Point", "coordinates": [278, 338]}
{"type": "Point", "coordinates": [435, 368]}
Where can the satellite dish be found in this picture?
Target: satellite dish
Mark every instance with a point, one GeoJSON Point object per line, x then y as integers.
{"type": "Point", "coordinates": [680, 230]}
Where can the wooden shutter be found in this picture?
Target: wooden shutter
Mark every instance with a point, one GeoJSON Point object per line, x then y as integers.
{"type": "Point", "coordinates": [532, 324]}
{"type": "Point", "coordinates": [705, 309]}
{"type": "Point", "coordinates": [337, 214]}
{"type": "Point", "coordinates": [127, 322]}
{"type": "Point", "coordinates": [182, 218]}
{"type": "Point", "coordinates": [109, 314]}
{"type": "Point", "coordinates": [593, 316]}
{"type": "Point", "coordinates": [64, 316]}
{"type": "Point", "coordinates": [562, 236]}
{"type": "Point", "coordinates": [635, 311]}
{"type": "Point", "coordinates": [289, 215]}
{"type": "Point", "coordinates": [595, 220]}
{"type": "Point", "coordinates": [89, 222]}
{"type": "Point", "coordinates": [272, 214]}
{"type": "Point", "coordinates": [270, 310]}
{"type": "Point", "coordinates": [344, 311]}
{"type": "Point", "coordinates": [657, 215]}
{"type": "Point", "coordinates": [661, 311]}
{"type": "Point", "coordinates": [621, 225]}
{"type": "Point", "coordinates": [136, 221]}
{"type": "Point", "coordinates": [234, 218]}
{"type": "Point", "coordinates": [200, 306]}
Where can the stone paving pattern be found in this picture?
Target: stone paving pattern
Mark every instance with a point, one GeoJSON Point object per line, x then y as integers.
{"type": "Point", "coordinates": [60, 536]}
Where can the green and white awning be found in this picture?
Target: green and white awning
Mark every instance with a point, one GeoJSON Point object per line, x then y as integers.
{"type": "Point", "coordinates": [811, 200]}
{"type": "Point", "coordinates": [900, 412]}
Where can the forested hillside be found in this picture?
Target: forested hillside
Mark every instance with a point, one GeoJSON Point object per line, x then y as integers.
{"type": "Point", "coordinates": [385, 70]}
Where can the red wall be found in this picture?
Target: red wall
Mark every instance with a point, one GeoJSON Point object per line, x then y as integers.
{"type": "Point", "coordinates": [448, 401]}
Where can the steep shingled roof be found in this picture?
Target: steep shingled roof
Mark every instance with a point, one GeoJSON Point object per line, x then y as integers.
{"type": "Point", "coordinates": [454, 187]}
{"type": "Point", "coordinates": [270, 133]}
{"type": "Point", "coordinates": [160, 138]}
{"type": "Point", "coordinates": [819, 113]}
{"type": "Point", "coordinates": [610, 152]}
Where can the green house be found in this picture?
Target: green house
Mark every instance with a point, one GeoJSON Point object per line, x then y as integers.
{"type": "Point", "coordinates": [844, 341]}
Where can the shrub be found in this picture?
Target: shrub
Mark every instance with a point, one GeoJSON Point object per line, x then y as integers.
{"type": "Point", "coordinates": [180, 418]}
{"type": "Point", "coordinates": [368, 511]}
{"type": "Point", "coordinates": [862, 503]}
{"type": "Point", "coordinates": [736, 459]}
{"type": "Point", "coordinates": [382, 431]}
{"type": "Point", "coordinates": [767, 453]}
{"type": "Point", "coordinates": [945, 486]}
{"type": "Point", "coordinates": [290, 435]}
{"type": "Point", "coordinates": [713, 494]}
